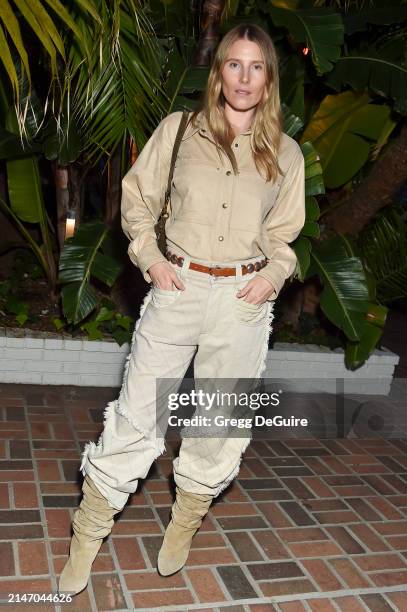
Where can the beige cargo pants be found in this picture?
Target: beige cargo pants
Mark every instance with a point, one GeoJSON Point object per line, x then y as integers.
{"type": "Point", "coordinates": [229, 339]}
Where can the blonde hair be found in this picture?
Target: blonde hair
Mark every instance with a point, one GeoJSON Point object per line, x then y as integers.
{"type": "Point", "coordinates": [267, 125]}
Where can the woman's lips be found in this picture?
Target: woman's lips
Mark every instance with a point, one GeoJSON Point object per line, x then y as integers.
{"type": "Point", "coordinates": [241, 92]}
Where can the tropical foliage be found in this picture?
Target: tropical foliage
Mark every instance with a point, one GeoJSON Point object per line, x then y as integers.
{"type": "Point", "coordinates": [115, 68]}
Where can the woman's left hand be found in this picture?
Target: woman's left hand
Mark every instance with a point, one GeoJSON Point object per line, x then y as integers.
{"type": "Point", "coordinates": [257, 290]}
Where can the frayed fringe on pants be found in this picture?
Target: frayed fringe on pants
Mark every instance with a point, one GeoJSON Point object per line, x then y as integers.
{"type": "Point", "coordinates": [229, 340]}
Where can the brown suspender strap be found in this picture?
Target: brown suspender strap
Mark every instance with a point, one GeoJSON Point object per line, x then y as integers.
{"type": "Point", "coordinates": [180, 133]}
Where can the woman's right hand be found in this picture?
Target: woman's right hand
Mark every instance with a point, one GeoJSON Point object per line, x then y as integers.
{"type": "Point", "coordinates": [164, 276]}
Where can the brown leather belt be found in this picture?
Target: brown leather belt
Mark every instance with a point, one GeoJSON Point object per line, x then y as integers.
{"type": "Point", "coordinates": [216, 270]}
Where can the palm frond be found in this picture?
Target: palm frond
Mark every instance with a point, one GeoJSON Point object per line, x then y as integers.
{"type": "Point", "coordinates": [119, 91]}
{"type": "Point", "coordinates": [44, 18]}
{"type": "Point", "coordinates": [383, 247]}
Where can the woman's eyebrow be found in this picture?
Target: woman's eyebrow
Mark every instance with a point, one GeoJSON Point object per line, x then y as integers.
{"type": "Point", "coordinates": [238, 60]}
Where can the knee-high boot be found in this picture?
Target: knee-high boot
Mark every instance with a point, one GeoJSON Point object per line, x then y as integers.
{"type": "Point", "coordinates": [187, 512]}
{"type": "Point", "coordinates": [93, 521]}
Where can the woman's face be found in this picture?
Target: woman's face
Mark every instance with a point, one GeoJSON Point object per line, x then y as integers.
{"type": "Point", "coordinates": [243, 75]}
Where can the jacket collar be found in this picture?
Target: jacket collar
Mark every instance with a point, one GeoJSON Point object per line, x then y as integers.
{"type": "Point", "coordinates": [203, 127]}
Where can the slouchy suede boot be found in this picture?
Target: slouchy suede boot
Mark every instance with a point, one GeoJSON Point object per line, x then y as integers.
{"type": "Point", "coordinates": [187, 512]}
{"type": "Point", "coordinates": [93, 521]}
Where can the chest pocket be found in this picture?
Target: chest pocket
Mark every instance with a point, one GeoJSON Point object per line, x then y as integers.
{"type": "Point", "coordinates": [193, 190]}
{"type": "Point", "coordinates": [251, 202]}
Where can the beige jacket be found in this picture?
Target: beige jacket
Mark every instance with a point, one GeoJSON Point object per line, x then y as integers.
{"type": "Point", "coordinates": [215, 214]}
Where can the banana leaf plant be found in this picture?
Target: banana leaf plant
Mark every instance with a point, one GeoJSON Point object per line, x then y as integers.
{"type": "Point", "coordinates": [348, 295]}
{"type": "Point", "coordinates": [78, 263]}
{"type": "Point", "coordinates": [347, 130]}
{"type": "Point", "coordinates": [25, 195]}
{"type": "Point", "coordinates": [83, 258]}
{"type": "Point", "coordinates": [374, 65]}
{"type": "Point", "coordinates": [347, 298]}
{"type": "Point", "coordinates": [343, 130]}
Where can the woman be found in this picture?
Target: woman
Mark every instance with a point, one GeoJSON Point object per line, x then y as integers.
{"type": "Point", "coordinates": [237, 201]}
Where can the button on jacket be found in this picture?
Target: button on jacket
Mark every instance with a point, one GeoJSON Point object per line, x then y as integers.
{"type": "Point", "coordinates": [214, 214]}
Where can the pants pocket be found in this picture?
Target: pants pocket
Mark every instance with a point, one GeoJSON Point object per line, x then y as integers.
{"type": "Point", "coordinates": [249, 314]}
{"type": "Point", "coordinates": [162, 298]}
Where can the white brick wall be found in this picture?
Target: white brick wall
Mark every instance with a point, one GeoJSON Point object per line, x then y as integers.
{"type": "Point", "coordinates": [310, 368]}
{"type": "Point", "coordinates": [62, 361]}
{"type": "Point", "coordinates": [22, 377]}
{"type": "Point", "coordinates": [102, 356]}
{"type": "Point", "coordinates": [22, 352]}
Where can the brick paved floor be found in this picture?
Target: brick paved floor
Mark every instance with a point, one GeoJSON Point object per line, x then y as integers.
{"type": "Point", "coordinates": [310, 524]}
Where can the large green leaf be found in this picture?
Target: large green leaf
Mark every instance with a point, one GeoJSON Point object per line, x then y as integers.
{"type": "Point", "coordinates": [23, 179]}
{"type": "Point", "coordinates": [106, 269]}
{"type": "Point", "coordinates": [291, 76]}
{"type": "Point", "coordinates": [357, 352]}
{"type": "Point", "coordinates": [10, 146]}
{"type": "Point", "coordinates": [24, 189]}
{"type": "Point", "coordinates": [182, 77]}
{"type": "Point", "coordinates": [292, 123]}
{"type": "Point", "coordinates": [81, 260]}
{"type": "Point", "coordinates": [313, 185]}
{"type": "Point", "coordinates": [286, 4]}
{"type": "Point", "coordinates": [312, 208]}
{"type": "Point", "coordinates": [370, 70]}
{"type": "Point", "coordinates": [302, 249]}
{"type": "Point", "coordinates": [383, 15]}
{"type": "Point", "coordinates": [297, 104]}
{"type": "Point", "coordinates": [321, 29]}
{"type": "Point", "coordinates": [342, 130]}
{"type": "Point", "coordinates": [311, 227]}
{"type": "Point", "coordinates": [314, 182]}
{"type": "Point", "coordinates": [345, 296]}
{"type": "Point", "coordinates": [78, 301]}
